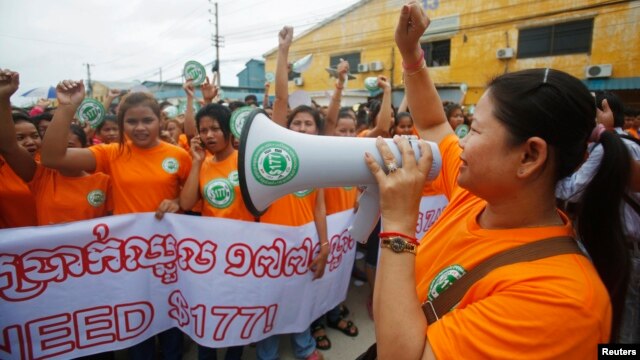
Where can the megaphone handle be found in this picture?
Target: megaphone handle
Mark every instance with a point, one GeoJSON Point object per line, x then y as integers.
{"type": "Point", "coordinates": [367, 215]}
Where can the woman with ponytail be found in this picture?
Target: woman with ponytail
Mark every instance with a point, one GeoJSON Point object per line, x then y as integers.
{"type": "Point", "coordinates": [531, 130]}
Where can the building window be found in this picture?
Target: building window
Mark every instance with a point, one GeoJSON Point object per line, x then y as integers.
{"type": "Point", "coordinates": [559, 39]}
{"type": "Point", "coordinates": [352, 58]}
{"type": "Point", "coordinates": [437, 53]}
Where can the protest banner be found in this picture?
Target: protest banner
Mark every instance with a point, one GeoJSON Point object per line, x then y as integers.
{"type": "Point", "coordinates": [104, 284]}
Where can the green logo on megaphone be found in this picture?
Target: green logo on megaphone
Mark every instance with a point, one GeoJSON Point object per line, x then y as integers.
{"type": "Point", "coordinates": [274, 163]}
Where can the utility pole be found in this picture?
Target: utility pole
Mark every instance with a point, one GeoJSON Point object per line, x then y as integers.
{"type": "Point", "coordinates": [216, 42]}
{"type": "Point", "coordinates": [89, 85]}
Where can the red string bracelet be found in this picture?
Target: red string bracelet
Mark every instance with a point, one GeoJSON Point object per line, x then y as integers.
{"type": "Point", "coordinates": [415, 66]}
{"type": "Point", "coordinates": [388, 234]}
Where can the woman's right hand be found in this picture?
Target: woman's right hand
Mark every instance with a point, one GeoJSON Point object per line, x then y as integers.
{"type": "Point", "coordinates": [411, 26]}
{"type": "Point", "coordinates": [383, 83]}
{"type": "Point", "coordinates": [70, 92]}
{"type": "Point", "coordinates": [9, 83]}
{"type": "Point", "coordinates": [188, 87]}
{"type": "Point", "coordinates": [197, 152]}
{"type": "Point", "coordinates": [401, 189]}
{"type": "Point", "coordinates": [285, 36]}
{"type": "Point", "coordinates": [343, 71]}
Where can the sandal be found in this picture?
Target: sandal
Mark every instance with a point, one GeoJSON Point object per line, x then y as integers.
{"type": "Point", "coordinates": [347, 330]}
{"type": "Point", "coordinates": [320, 338]}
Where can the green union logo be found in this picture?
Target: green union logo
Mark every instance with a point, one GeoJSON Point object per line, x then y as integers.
{"type": "Point", "coordinates": [194, 72]}
{"type": "Point", "coordinates": [90, 113]}
{"type": "Point", "coordinates": [274, 163]}
{"type": "Point", "coordinates": [219, 193]}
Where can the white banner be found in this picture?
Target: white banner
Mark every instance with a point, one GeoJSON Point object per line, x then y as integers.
{"type": "Point", "coordinates": [431, 207]}
{"type": "Point", "coordinates": [104, 284]}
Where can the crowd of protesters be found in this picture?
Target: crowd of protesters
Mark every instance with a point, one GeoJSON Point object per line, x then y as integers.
{"type": "Point", "coordinates": [514, 171]}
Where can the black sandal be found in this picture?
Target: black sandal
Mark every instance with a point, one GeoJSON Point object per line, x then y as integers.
{"type": "Point", "coordinates": [320, 338]}
{"type": "Point", "coordinates": [347, 329]}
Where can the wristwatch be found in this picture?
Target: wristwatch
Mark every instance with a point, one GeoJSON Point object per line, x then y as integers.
{"type": "Point", "coordinates": [399, 244]}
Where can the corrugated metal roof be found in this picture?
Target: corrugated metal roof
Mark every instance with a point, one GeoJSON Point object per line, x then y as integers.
{"type": "Point", "coordinates": [630, 83]}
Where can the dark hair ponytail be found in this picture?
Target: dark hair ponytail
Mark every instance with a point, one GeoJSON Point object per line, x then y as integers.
{"type": "Point", "coordinates": [599, 222]}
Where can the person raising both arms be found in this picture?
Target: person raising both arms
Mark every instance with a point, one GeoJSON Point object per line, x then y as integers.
{"type": "Point", "coordinates": [146, 173]}
{"type": "Point", "coordinates": [531, 130]}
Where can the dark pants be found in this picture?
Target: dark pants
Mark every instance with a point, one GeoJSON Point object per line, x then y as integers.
{"type": "Point", "coordinates": [170, 342]}
{"type": "Point", "coordinates": [233, 353]}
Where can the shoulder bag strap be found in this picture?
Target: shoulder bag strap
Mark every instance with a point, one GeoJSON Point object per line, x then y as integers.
{"type": "Point", "coordinates": [441, 305]}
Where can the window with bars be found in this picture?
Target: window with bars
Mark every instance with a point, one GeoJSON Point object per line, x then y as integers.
{"type": "Point", "coordinates": [559, 39]}
{"type": "Point", "coordinates": [437, 53]}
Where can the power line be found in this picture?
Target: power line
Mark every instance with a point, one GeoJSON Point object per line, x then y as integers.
{"type": "Point", "coordinates": [386, 36]}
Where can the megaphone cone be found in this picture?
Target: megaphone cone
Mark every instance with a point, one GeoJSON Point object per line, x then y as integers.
{"type": "Point", "coordinates": [274, 161]}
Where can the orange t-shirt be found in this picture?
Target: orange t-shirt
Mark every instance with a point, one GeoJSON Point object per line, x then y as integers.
{"type": "Point", "coordinates": [633, 132]}
{"type": "Point", "coordinates": [17, 204]}
{"type": "Point", "coordinates": [183, 142]}
{"type": "Point", "coordinates": [61, 199]}
{"type": "Point", "coordinates": [292, 210]}
{"type": "Point", "coordinates": [340, 199]}
{"type": "Point", "coordinates": [220, 189]}
{"type": "Point", "coordinates": [363, 133]}
{"type": "Point", "coordinates": [142, 178]}
{"type": "Point", "coordinates": [555, 307]}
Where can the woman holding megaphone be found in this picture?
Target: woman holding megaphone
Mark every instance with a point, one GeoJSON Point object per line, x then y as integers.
{"type": "Point", "coordinates": [531, 130]}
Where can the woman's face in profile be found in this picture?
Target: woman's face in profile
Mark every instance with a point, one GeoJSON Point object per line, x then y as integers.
{"type": "Point", "coordinates": [489, 163]}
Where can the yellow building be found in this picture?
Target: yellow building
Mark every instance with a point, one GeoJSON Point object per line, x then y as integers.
{"type": "Point", "coordinates": [471, 41]}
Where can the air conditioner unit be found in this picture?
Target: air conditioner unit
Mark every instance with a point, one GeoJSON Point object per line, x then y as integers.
{"type": "Point", "coordinates": [597, 71]}
{"type": "Point", "coordinates": [376, 66]}
{"type": "Point", "coordinates": [504, 53]}
{"type": "Point", "coordinates": [363, 68]}
{"type": "Point", "coordinates": [298, 81]}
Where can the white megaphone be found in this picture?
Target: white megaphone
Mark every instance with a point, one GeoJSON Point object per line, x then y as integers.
{"type": "Point", "coordinates": [274, 161]}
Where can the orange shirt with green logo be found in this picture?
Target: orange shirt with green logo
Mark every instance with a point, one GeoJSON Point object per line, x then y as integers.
{"type": "Point", "coordinates": [555, 307]}
{"type": "Point", "coordinates": [17, 204]}
{"type": "Point", "coordinates": [142, 178]}
{"type": "Point", "coordinates": [340, 199]}
{"type": "Point", "coordinates": [220, 189]}
{"type": "Point", "coordinates": [61, 199]}
{"type": "Point", "coordinates": [292, 210]}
